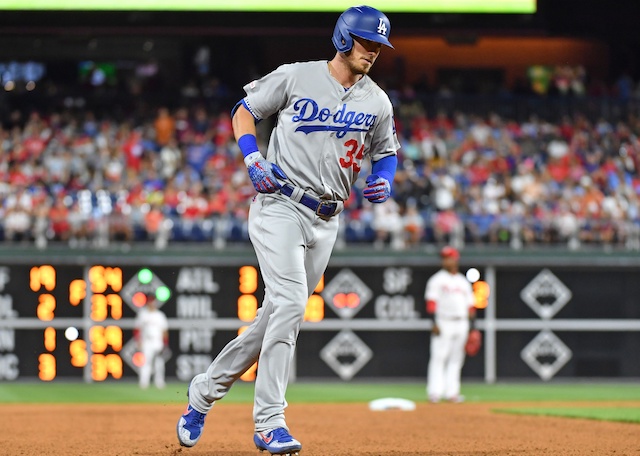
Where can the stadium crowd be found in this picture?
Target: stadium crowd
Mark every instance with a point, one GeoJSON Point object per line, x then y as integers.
{"type": "Point", "coordinates": [168, 175]}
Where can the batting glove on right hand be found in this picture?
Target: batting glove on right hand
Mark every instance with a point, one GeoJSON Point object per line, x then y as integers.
{"type": "Point", "coordinates": [378, 189]}
{"type": "Point", "coordinates": [263, 174]}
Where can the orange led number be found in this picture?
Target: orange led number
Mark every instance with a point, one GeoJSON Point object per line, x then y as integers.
{"type": "Point", "coordinates": [102, 337]}
{"type": "Point", "coordinates": [481, 292]}
{"type": "Point", "coordinates": [101, 303]}
{"type": "Point", "coordinates": [50, 339]}
{"type": "Point", "coordinates": [115, 303]}
{"type": "Point", "coordinates": [77, 291]}
{"type": "Point", "coordinates": [42, 276]}
{"type": "Point", "coordinates": [103, 365]}
{"type": "Point", "coordinates": [247, 302]}
{"type": "Point", "coordinates": [46, 367]}
{"type": "Point", "coordinates": [250, 374]}
{"type": "Point", "coordinates": [78, 352]}
{"type": "Point", "coordinates": [315, 309]}
{"type": "Point", "coordinates": [248, 279]}
{"type": "Point", "coordinates": [98, 307]}
{"type": "Point", "coordinates": [247, 307]}
{"type": "Point", "coordinates": [101, 277]}
{"type": "Point", "coordinates": [98, 339]}
{"type": "Point", "coordinates": [46, 307]}
{"type": "Point", "coordinates": [113, 334]}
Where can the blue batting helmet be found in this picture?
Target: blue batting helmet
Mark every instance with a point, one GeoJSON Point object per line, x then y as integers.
{"type": "Point", "coordinates": [364, 22]}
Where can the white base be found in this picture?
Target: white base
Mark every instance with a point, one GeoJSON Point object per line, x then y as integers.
{"type": "Point", "coordinates": [392, 403]}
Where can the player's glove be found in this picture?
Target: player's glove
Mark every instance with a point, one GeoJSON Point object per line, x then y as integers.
{"type": "Point", "coordinates": [474, 342]}
{"type": "Point", "coordinates": [263, 174]}
{"type": "Point", "coordinates": [378, 189]}
{"type": "Point", "coordinates": [166, 352]}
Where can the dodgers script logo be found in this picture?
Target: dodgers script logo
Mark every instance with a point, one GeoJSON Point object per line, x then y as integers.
{"type": "Point", "coordinates": [341, 121]}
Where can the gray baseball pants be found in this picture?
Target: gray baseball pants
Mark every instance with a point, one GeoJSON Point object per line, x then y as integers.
{"type": "Point", "coordinates": [293, 246]}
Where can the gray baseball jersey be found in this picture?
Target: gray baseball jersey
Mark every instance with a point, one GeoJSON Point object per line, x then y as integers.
{"type": "Point", "coordinates": [317, 116]}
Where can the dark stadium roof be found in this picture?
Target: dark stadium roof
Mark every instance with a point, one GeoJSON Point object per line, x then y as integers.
{"type": "Point", "coordinates": [612, 21]}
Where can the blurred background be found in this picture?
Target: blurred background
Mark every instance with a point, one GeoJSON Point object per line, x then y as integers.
{"type": "Point", "coordinates": [519, 132]}
{"type": "Point", "coordinates": [518, 129]}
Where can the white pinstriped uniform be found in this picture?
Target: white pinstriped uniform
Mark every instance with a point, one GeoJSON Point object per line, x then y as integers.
{"type": "Point", "coordinates": [453, 295]}
{"type": "Point", "coordinates": [152, 325]}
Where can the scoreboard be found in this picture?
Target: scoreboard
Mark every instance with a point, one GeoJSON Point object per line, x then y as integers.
{"type": "Point", "coordinates": [65, 318]}
{"type": "Point", "coordinates": [63, 321]}
{"type": "Point", "coordinates": [60, 321]}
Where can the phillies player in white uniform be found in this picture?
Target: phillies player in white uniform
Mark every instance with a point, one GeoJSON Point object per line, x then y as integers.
{"type": "Point", "coordinates": [449, 298]}
{"type": "Point", "coordinates": [151, 331]}
{"type": "Point", "coordinates": [330, 118]}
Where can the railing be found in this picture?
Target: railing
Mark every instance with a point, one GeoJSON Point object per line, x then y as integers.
{"type": "Point", "coordinates": [521, 107]}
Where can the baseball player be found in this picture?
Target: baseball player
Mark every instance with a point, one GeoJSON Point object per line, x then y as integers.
{"type": "Point", "coordinates": [151, 332]}
{"type": "Point", "coordinates": [330, 118]}
{"type": "Point", "coordinates": [450, 301]}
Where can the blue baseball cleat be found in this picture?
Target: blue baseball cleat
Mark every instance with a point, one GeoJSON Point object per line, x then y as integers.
{"type": "Point", "coordinates": [277, 441]}
{"type": "Point", "coordinates": [190, 427]}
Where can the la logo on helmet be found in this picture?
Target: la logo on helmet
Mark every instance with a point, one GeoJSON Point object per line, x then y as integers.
{"type": "Point", "coordinates": [382, 28]}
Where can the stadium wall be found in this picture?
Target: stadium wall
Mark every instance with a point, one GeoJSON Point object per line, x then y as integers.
{"type": "Point", "coordinates": [68, 314]}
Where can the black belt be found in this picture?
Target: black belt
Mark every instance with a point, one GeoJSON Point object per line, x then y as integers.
{"type": "Point", "coordinates": [320, 207]}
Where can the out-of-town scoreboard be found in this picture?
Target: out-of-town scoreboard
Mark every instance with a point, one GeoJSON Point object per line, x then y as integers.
{"type": "Point", "coordinates": [59, 321]}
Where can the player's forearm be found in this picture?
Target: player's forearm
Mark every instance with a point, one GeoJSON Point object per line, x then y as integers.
{"type": "Point", "coordinates": [472, 318]}
{"type": "Point", "coordinates": [431, 306]}
{"type": "Point", "coordinates": [243, 123]}
{"type": "Point", "coordinates": [385, 167]}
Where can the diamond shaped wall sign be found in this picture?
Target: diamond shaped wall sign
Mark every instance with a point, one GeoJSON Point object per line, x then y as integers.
{"type": "Point", "coordinates": [546, 294]}
{"type": "Point", "coordinates": [127, 354]}
{"type": "Point", "coordinates": [546, 345]}
{"type": "Point", "coordinates": [150, 284]}
{"type": "Point", "coordinates": [130, 351]}
{"type": "Point", "coordinates": [346, 354]}
{"type": "Point", "coordinates": [346, 294]}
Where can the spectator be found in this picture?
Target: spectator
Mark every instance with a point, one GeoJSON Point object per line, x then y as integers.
{"type": "Point", "coordinates": [495, 179]}
{"type": "Point", "coordinates": [388, 225]}
{"type": "Point", "coordinates": [18, 215]}
{"type": "Point", "coordinates": [447, 227]}
{"type": "Point", "coordinates": [170, 159]}
{"type": "Point", "coordinates": [413, 223]}
{"type": "Point", "coordinates": [59, 219]}
{"type": "Point", "coordinates": [120, 227]}
{"type": "Point", "coordinates": [165, 127]}
{"type": "Point", "coordinates": [81, 226]}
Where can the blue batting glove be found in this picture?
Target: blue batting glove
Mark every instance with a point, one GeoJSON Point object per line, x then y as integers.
{"type": "Point", "coordinates": [264, 175]}
{"type": "Point", "coordinates": [378, 189]}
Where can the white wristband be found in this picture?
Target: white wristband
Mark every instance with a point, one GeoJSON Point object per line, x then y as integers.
{"type": "Point", "coordinates": [252, 158]}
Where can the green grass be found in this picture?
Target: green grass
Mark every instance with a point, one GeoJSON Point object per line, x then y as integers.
{"type": "Point", "coordinates": [317, 392]}
{"type": "Point", "coordinates": [552, 392]}
{"type": "Point", "coordinates": [621, 414]}
{"type": "Point", "coordinates": [355, 392]}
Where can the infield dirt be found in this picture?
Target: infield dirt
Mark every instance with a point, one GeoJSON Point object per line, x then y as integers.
{"type": "Point", "coordinates": [324, 430]}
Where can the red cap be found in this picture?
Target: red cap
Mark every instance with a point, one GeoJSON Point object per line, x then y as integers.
{"type": "Point", "coordinates": [449, 252]}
